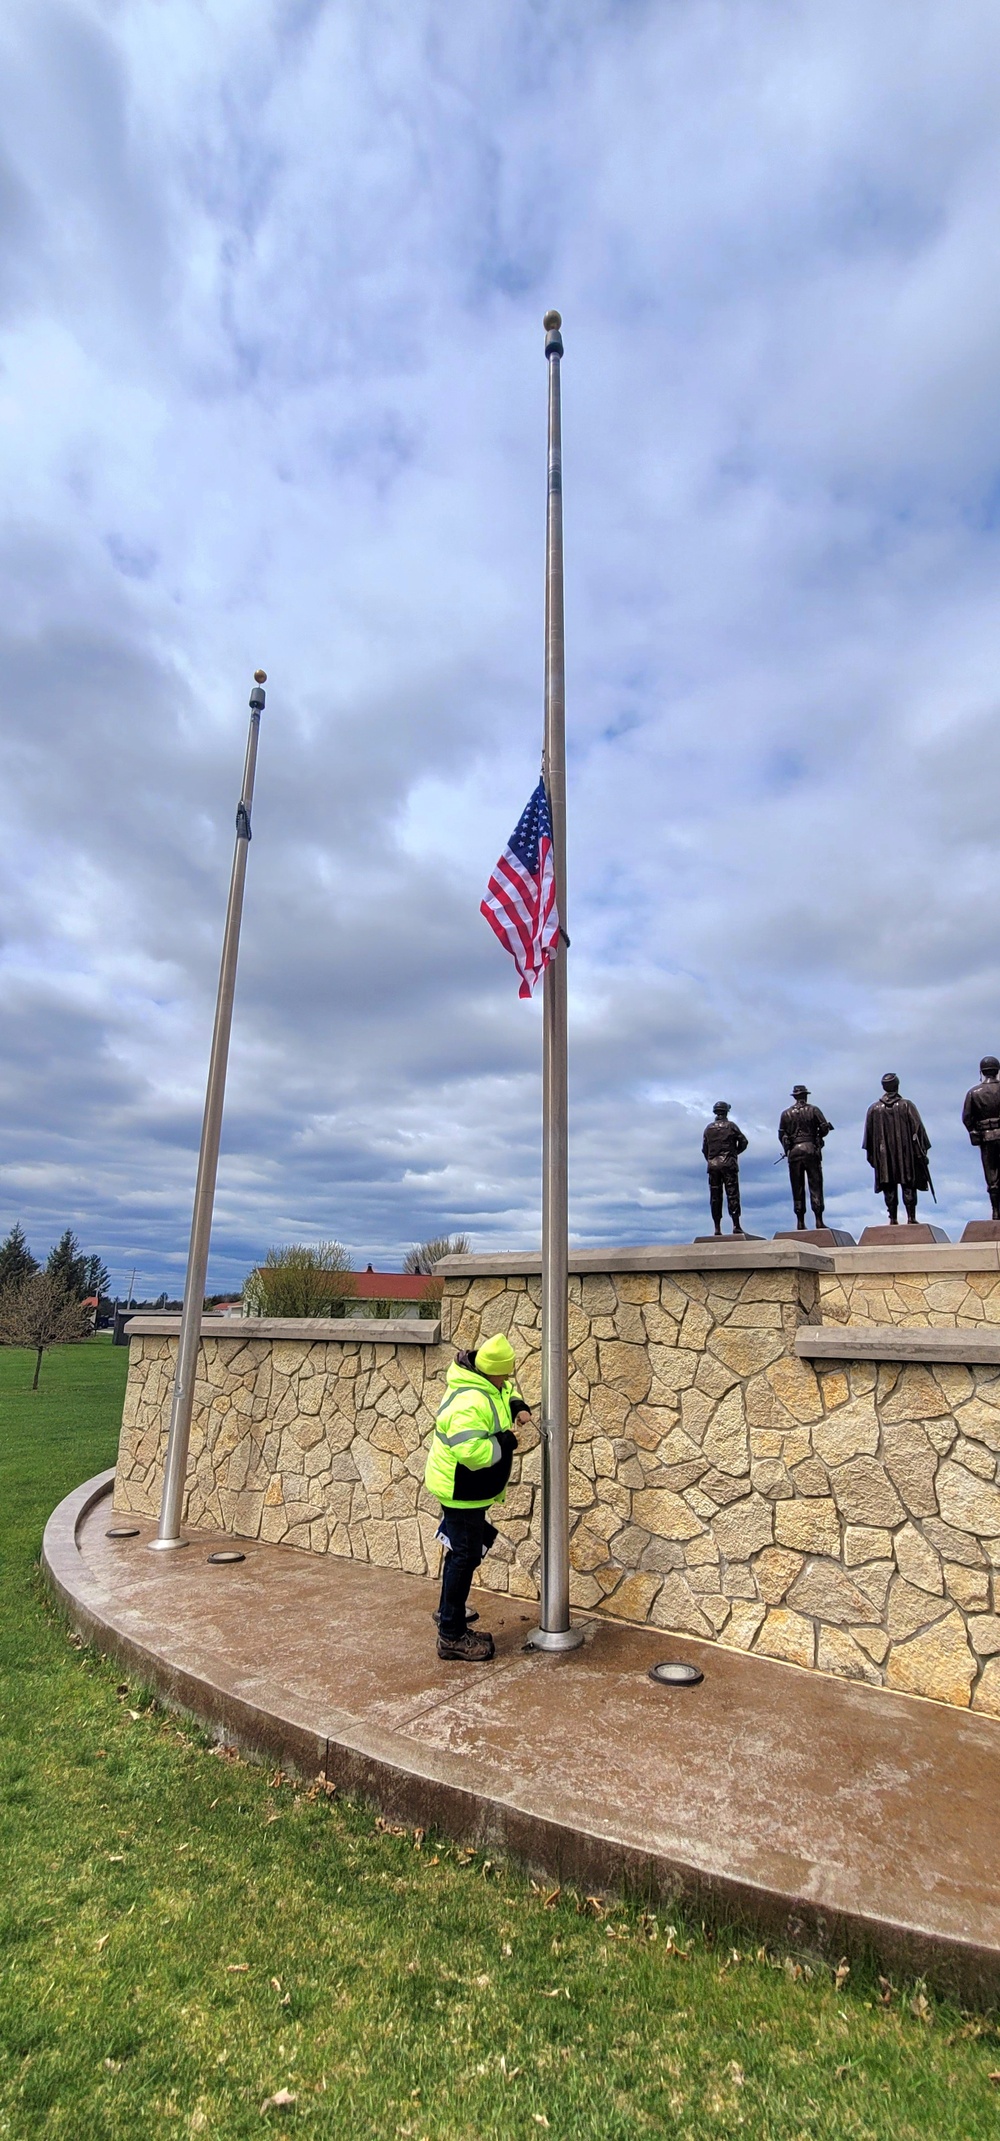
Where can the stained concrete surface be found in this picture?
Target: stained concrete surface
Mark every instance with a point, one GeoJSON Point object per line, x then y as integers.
{"type": "Point", "coordinates": [824, 1814]}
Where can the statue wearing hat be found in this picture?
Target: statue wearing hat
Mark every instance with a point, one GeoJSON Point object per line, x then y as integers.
{"type": "Point", "coordinates": [721, 1147]}
{"type": "Point", "coordinates": [801, 1132]}
{"type": "Point", "coordinates": [981, 1116]}
{"type": "Point", "coordinates": [897, 1146]}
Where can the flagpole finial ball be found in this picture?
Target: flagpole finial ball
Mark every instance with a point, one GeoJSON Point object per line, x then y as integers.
{"type": "Point", "coordinates": [552, 319]}
{"type": "Point", "coordinates": [260, 676]}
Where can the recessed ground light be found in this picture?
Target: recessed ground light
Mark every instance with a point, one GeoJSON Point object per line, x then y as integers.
{"type": "Point", "coordinates": [229, 1555]}
{"type": "Point", "coordinates": [672, 1674]}
{"type": "Point", "coordinates": [123, 1531]}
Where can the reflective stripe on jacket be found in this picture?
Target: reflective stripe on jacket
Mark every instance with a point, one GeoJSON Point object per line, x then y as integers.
{"type": "Point", "coordinates": [466, 1438]}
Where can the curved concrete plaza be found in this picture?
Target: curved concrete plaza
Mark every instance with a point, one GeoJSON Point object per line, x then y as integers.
{"type": "Point", "coordinates": [820, 1814]}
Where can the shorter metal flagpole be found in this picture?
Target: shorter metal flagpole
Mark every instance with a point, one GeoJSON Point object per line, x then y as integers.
{"type": "Point", "coordinates": [175, 1468]}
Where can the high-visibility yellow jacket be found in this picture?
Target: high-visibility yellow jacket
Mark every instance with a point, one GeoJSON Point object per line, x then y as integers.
{"type": "Point", "coordinates": [472, 1446]}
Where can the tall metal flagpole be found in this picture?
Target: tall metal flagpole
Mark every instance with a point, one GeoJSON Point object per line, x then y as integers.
{"type": "Point", "coordinates": [555, 1632]}
{"type": "Point", "coordinates": [175, 1469]}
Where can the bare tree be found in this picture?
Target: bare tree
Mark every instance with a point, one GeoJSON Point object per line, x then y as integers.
{"type": "Point", "coordinates": [301, 1281]}
{"type": "Point", "coordinates": [424, 1255]}
{"type": "Point", "coordinates": [38, 1314]}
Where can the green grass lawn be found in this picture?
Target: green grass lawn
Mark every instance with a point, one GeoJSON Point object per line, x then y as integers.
{"type": "Point", "coordinates": [182, 1938]}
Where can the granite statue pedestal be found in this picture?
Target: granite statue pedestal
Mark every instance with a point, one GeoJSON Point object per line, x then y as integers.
{"type": "Point", "coordinates": [909, 1234]}
{"type": "Point", "coordinates": [818, 1237]}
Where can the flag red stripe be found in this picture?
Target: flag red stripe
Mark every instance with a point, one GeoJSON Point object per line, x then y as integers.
{"type": "Point", "coordinates": [524, 928]}
{"type": "Point", "coordinates": [520, 907]}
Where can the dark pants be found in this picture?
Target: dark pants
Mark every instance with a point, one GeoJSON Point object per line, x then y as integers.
{"type": "Point", "coordinates": [469, 1537]}
{"type": "Point", "coordinates": [806, 1167]}
{"type": "Point", "coordinates": [727, 1178]}
{"type": "Point", "coordinates": [990, 1150]}
{"type": "Point", "coordinates": [891, 1196]}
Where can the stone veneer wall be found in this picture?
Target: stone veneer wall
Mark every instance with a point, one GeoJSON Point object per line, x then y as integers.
{"type": "Point", "coordinates": [944, 1299]}
{"type": "Point", "coordinates": [845, 1517]}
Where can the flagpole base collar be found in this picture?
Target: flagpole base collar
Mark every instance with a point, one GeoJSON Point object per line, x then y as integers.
{"type": "Point", "coordinates": [165, 1546]}
{"type": "Point", "coordinates": [555, 1639]}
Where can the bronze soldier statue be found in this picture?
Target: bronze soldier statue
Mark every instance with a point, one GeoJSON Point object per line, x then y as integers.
{"type": "Point", "coordinates": [800, 1134]}
{"type": "Point", "coordinates": [981, 1116]}
{"type": "Point", "coordinates": [722, 1144]}
{"type": "Point", "coordinates": [897, 1146]}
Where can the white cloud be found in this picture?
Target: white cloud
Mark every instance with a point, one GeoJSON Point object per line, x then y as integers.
{"type": "Point", "coordinates": [272, 391]}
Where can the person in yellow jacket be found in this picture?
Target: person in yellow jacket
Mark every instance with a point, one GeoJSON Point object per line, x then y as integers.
{"type": "Point", "coordinates": [468, 1466]}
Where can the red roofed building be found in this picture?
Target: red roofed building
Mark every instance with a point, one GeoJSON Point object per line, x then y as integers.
{"type": "Point", "coordinates": [394, 1293]}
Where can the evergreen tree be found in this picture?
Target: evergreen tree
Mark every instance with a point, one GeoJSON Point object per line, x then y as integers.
{"type": "Point", "coordinates": [77, 1274]}
{"type": "Point", "coordinates": [65, 1264]}
{"type": "Point", "coordinates": [97, 1278]}
{"type": "Point", "coordinates": [16, 1260]}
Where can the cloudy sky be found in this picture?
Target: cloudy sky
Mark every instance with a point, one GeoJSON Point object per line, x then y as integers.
{"type": "Point", "coordinates": [272, 392]}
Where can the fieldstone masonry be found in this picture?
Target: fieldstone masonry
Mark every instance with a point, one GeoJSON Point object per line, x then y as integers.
{"type": "Point", "coordinates": [842, 1515]}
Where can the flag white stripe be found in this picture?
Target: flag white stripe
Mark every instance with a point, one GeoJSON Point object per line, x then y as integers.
{"type": "Point", "coordinates": [520, 906]}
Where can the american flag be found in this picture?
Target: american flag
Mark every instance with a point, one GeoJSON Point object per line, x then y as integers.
{"type": "Point", "coordinates": [520, 903]}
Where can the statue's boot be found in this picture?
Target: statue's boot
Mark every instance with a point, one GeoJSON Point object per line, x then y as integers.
{"type": "Point", "coordinates": [995, 1202]}
{"type": "Point", "coordinates": [911, 1209]}
{"type": "Point", "coordinates": [817, 1215]}
{"type": "Point", "coordinates": [800, 1221]}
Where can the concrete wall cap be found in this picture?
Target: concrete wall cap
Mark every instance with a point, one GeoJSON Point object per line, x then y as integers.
{"type": "Point", "coordinates": [886, 1341]}
{"type": "Point", "coordinates": [941, 1256]}
{"type": "Point", "coordinates": [370, 1330]}
{"type": "Point", "coordinates": [724, 1255]}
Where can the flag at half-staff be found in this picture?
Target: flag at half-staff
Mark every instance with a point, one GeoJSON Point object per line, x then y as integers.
{"type": "Point", "coordinates": [520, 903]}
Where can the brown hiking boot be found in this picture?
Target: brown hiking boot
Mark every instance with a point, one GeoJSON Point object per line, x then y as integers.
{"type": "Point", "coordinates": [471, 1648]}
